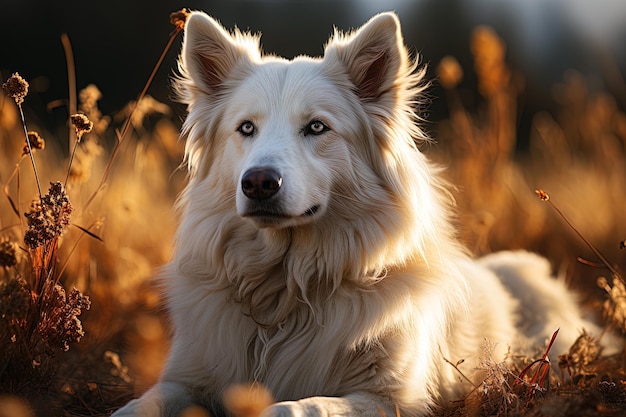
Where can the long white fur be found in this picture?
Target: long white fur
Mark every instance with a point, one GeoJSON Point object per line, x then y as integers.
{"type": "Point", "coordinates": [354, 307]}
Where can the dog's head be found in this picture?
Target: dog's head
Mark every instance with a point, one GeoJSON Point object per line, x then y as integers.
{"type": "Point", "coordinates": [291, 141]}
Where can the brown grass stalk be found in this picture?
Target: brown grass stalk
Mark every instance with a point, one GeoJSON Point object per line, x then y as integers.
{"type": "Point", "coordinates": [30, 150]}
{"type": "Point", "coordinates": [545, 197]}
{"type": "Point", "coordinates": [71, 82]}
{"type": "Point", "coordinates": [121, 136]}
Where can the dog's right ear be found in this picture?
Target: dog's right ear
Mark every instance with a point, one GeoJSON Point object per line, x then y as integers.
{"type": "Point", "coordinates": [210, 53]}
{"type": "Point", "coordinates": [374, 56]}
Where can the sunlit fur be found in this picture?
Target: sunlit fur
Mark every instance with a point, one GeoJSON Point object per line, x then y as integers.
{"type": "Point", "coordinates": [350, 307]}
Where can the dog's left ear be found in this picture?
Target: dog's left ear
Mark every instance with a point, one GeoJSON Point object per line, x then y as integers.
{"type": "Point", "coordinates": [374, 55]}
{"type": "Point", "coordinates": [210, 53]}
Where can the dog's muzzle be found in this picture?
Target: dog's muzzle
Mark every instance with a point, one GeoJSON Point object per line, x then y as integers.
{"type": "Point", "coordinates": [264, 205]}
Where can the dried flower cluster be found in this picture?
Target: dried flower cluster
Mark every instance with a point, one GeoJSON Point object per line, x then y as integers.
{"type": "Point", "coordinates": [15, 299]}
{"type": "Point", "coordinates": [179, 18]}
{"type": "Point", "coordinates": [16, 87]}
{"type": "Point", "coordinates": [582, 354]}
{"type": "Point", "coordinates": [35, 142]}
{"type": "Point", "coordinates": [88, 99]}
{"type": "Point", "coordinates": [615, 304]}
{"type": "Point", "coordinates": [40, 317]}
{"type": "Point", "coordinates": [59, 324]}
{"type": "Point", "coordinates": [543, 196]}
{"type": "Point", "coordinates": [81, 124]}
{"type": "Point", "coordinates": [48, 217]}
{"type": "Point", "coordinates": [496, 393]}
{"type": "Point", "coordinates": [119, 369]}
{"type": "Point", "coordinates": [8, 253]}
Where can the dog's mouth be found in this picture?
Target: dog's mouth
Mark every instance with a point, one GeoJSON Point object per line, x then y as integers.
{"type": "Point", "coordinates": [265, 217]}
{"type": "Point", "coordinates": [311, 211]}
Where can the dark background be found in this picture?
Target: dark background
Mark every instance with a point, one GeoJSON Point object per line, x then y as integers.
{"type": "Point", "coordinates": [116, 43]}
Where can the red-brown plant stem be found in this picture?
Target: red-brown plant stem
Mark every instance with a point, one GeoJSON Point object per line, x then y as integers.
{"type": "Point", "coordinates": [539, 377]}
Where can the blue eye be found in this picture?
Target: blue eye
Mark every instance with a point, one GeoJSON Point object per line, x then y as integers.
{"type": "Point", "coordinates": [247, 128]}
{"type": "Point", "coordinates": [316, 127]}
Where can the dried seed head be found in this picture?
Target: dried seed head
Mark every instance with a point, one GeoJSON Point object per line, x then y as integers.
{"type": "Point", "coordinates": [585, 350]}
{"type": "Point", "coordinates": [61, 325]}
{"type": "Point", "coordinates": [89, 97]}
{"type": "Point", "coordinates": [35, 141]}
{"type": "Point", "coordinates": [615, 304]}
{"type": "Point", "coordinates": [179, 18]}
{"type": "Point", "coordinates": [16, 87]}
{"type": "Point", "coordinates": [88, 105]}
{"type": "Point", "coordinates": [604, 284]}
{"type": "Point", "coordinates": [542, 195]}
{"type": "Point", "coordinates": [119, 369]}
{"type": "Point", "coordinates": [15, 300]}
{"type": "Point", "coordinates": [81, 123]}
{"type": "Point", "coordinates": [449, 72]}
{"type": "Point", "coordinates": [47, 218]}
{"type": "Point", "coordinates": [8, 253]}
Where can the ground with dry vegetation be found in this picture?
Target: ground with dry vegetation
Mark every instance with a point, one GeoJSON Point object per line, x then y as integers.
{"type": "Point", "coordinates": [81, 331]}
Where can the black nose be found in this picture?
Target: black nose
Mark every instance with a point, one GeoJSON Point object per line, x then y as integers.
{"type": "Point", "coordinates": [260, 183]}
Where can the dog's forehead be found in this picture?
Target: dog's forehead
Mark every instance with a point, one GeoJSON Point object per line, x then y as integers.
{"type": "Point", "coordinates": [278, 81]}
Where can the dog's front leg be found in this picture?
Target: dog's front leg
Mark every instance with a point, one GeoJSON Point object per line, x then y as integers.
{"type": "Point", "coordinates": [165, 399]}
{"type": "Point", "coordinates": [360, 404]}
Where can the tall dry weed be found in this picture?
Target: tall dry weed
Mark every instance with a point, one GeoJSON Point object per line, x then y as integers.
{"type": "Point", "coordinates": [39, 318]}
{"type": "Point", "coordinates": [58, 241]}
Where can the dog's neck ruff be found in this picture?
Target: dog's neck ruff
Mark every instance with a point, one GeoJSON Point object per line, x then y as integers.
{"type": "Point", "coordinates": [272, 272]}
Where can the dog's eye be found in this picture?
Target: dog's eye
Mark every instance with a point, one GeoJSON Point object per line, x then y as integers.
{"type": "Point", "coordinates": [246, 128]}
{"type": "Point", "coordinates": [316, 127]}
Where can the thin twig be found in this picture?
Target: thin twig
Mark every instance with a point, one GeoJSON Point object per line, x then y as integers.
{"type": "Point", "coordinates": [30, 151]}
{"type": "Point", "coordinates": [460, 372]}
{"type": "Point", "coordinates": [71, 81]}
{"type": "Point", "coordinates": [84, 231]}
{"type": "Point", "coordinates": [122, 135]}
{"type": "Point", "coordinates": [7, 193]}
{"type": "Point", "coordinates": [69, 165]}
{"type": "Point", "coordinates": [546, 198]}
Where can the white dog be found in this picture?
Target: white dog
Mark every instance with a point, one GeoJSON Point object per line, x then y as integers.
{"type": "Point", "coordinates": [315, 255]}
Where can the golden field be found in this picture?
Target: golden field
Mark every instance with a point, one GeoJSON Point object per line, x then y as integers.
{"type": "Point", "coordinates": [81, 329]}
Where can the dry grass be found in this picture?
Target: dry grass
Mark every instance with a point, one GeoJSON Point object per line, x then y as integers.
{"type": "Point", "coordinates": [60, 359]}
{"type": "Point", "coordinates": [93, 230]}
{"type": "Point", "coordinates": [575, 153]}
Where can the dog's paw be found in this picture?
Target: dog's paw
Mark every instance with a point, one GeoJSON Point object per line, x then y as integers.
{"type": "Point", "coordinates": [289, 409]}
{"type": "Point", "coordinates": [138, 408]}
{"type": "Point", "coordinates": [357, 404]}
{"type": "Point", "coordinates": [163, 399]}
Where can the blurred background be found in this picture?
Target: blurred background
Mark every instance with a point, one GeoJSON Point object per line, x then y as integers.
{"type": "Point", "coordinates": [116, 43]}
{"type": "Point", "coordinates": [526, 94]}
